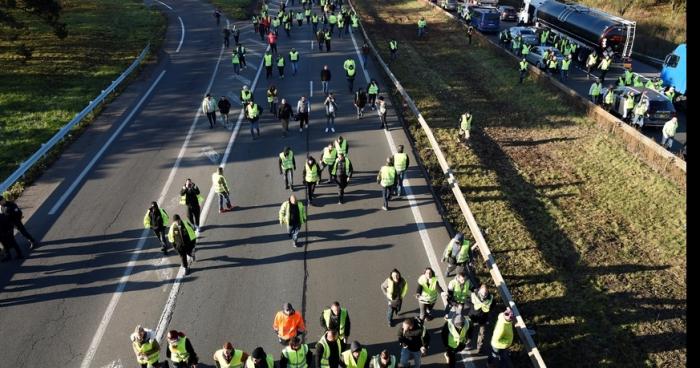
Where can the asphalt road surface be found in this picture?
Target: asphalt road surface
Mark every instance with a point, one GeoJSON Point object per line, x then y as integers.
{"type": "Point", "coordinates": [77, 298]}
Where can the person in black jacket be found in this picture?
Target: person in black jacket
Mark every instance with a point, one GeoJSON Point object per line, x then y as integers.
{"type": "Point", "coordinates": [454, 335]}
{"type": "Point", "coordinates": [190, 192]}
{"type": "Point", "coordinates": [157, 219]}
{"type": "Point", "coordinates": [330, 358]}
{"type": "Point", "coordinates": [15, 215]}
{"type": "Point", "coordinates": [414, 341]}
{"type": "Point", "coordinates": [224, 106]}
{"type": "Point", "coordinates": [284, 113]}
{"type": "Point", "coordinates": [182, 357]}
{"type": "Point", "coordinates": [7, 237]}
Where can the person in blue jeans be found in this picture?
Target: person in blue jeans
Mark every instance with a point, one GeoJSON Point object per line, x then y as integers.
{"type": "Point", "coordinates": [414, 342]}
{"type": "Point", "coordinates": [331, 107]}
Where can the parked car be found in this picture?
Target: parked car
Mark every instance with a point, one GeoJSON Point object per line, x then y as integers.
{"type": "Point", "coordinates": [660, 108]}
{"type": "Point", "coordinates": [508, 13]}
{"type": "Point", "coordinates": [448, 4]}
{"type": "Point", "coordinates": [536, 53]}
{"type": "Point", "coordinates": [528, 34]}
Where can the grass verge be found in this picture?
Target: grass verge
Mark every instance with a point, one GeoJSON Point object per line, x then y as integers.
{"type": "Point", "coordinates": [236, 9]}
{"type": "Point", "coordinates": [591, 241]}
{"type": "Point", "coordinates": [40, 96]}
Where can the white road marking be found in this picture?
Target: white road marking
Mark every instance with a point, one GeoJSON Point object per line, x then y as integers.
{"type": "Point", "coordinates": [115, 363]}
{"type": "Point", "coordinates": [242, 79]}
{"type": "Point", "coordinates": [182, 36]}
{"type": "Point", "coordinates": [99, 153]}
{"type": "Point", "coordinates": [97, 338]}
{"type": "Point", "coordinates": [311, 88]}
{"type": "Point", "coordinates": [210, 153]}
{"type": "Point", "coordinates": [165, 5]}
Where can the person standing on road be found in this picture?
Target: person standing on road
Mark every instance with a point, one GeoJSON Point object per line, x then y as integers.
{"type": "Point", "coordinates": [591, 62]}
{"type": "Point", "coordinates": [552, 65]}
{"type": "Point", "coordinates": [458, 293]}
{"type": "Point", "coordinates": [383, 360]}
{"type": "Point", "coordinates": [640, 112]}
{"type": "Point", "coordinates": [228, 357]}
{"type": "Point", "coordinates": [303, 113]}
{"type": "Point", "coordinates": [328, 350]}
{"type": "Point", "coordinates": [387, 179]}
{"type": "Point", "coordinates": [221, 188]}
{"type": "Point", "coordinates": [393, 49]}
{"type": "Point", "coordinates": [604, 66]}
{"type": "Point", "coordinates": [365, 53]}
{"type": "Point", "coordinates": [668, 132]}
{"type": "Point", "coordinates": [224, 106]}
{"type": "Point", "coordinates": [609, 98]}
{"type": "Point", "coordinates": [356, 356]}
{"type": "Point", "coordinates": [246, 96]}
{"type": "Point", "coordinates": [288, 324]}
{"type": "Point", "coordinates": [190, 197]}
{"type": "Point", "coordinates": [294, 60]}
{"type": "Point", "coordinates": [311, 175]}
{"type": "Point", "coordinates": [252, 113]}
{"type": "Point", "coordinates": [341, 25]}
{"type": "Point", "coordinates": [595, 90]}
{"type": "Point", "coordinates": [470, 33]}
{"type": "Point", "coordinates": [327, 37]}
{"type": "Point", "coordinates": [502, 338]}
{"type": "Point", "coordinates": [236, 62]}
{"type": "Point", "coordinates": [217, 15]}
{"type": "Point", "coordinates": [337, 319]}
{"type": "Point", "coordinates": [360, 102]}
{"type": "Point", "coordinates": [184, 240]}
{"type": "Point", "coordinates": [421, 27]}
{"type": "Point", "coordinates": [259, 359]}
{"type": "Point", "coordinates": [394, 288]}
{"type": "Point", "coordinates": [146, 348]}
{"type": "Point", "coordinates": [350, 71]}
{"type": "Point", "coordinates": [272, 99]}
{"type": "Point", "coordinates": [564, 70]}
{"type": "Point", "coordinates": [296, 355]}
{"type": "Point", "coordinates": [320, 37]}
{"type": "Point", "coordinates": [427, 293]}
{"type": "Point", "coordinates": [325, 79]}
{"type": "Point", "coordinates": [414, 340]}
{"type": "Point", "coordinates": [382, 114]}
{"type": "Point", "coordinates": [332, 21]}
{"type": "Point", "coordinates": [293, 214]}
{"type": "Point", "coordinates": [454, 337]}
{"type": "Point", "coordinates": [280, 66]}
{"type": "Point", "coordinates": [314, 23]}
{"type": "Point", "coordinates": [209, 108]}
{"type": "Point", "coordinates": [341, 145]}
{"type": "Point", "coordinates": [287, 165]}
{"type": "Point", "coordinates": [15, 216]}
{"type": "Point", "coordinates": [372, 91]}
{"type": "Point", "coordinates": [342, 172]}
{"type": "Point", "coordinates": [401, 162]}
{"type": "Point", "coordinates": [479, 315]}
{"type": "Point", "coordinates": [227, 36]}
{"type": "Point", "coordinates": [284, 113]}
{"type": "Point", "coordinates": [268, 64]}
{"type": "Point", "coordinates": [236, 34]}
{"type": "Point", "coordinates": [331, 106]}
{"type": "Point", "coordinates": [157, 219]}
{"type": "Point", "coordinates": [457, 254]}
{"type": "Point", "coordinates": [328, 157]}
{"type": "Point", "coordinates": [240, 50]}
{"type": "Point", "coordinates": [7, 237]}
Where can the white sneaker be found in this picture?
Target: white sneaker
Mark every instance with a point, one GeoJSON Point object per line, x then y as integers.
{"type": "Point", "coordinates": [333, 130]}
{"type": "Point", "coordinates": [326, 130]}
{"type": "Point", "coordinates": [301, 129]}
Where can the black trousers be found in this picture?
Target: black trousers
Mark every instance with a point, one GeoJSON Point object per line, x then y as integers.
{"type": "Point", "coordinates": [23, 230]}
{"type": "Point", "coordinates": [342, 182]}
{"type": "Point", "coordinates": [303, 119]}
{"type": "Point", "coordinates": [160, 235]}
{"type": "Point", "coordinates": [8, 242]}
{"type": "Point", "coordinates": [212, 118]}
{"type": "Point", "coordinates": [193, 214]}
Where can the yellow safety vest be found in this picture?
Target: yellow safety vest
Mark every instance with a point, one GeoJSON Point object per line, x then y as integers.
{"type": "Point", "coordinates": [342, 147]}
{"type": "Point", "coordinates": [246, 95]}
{"type": "Point", "coordinates": [329, 156]}
{"type": "Point", "coordinates": [280, 61]}
{"type": "Point", "coordinates": [400, 161]}
{"type": "Point", "coordinates": [429, 292]}
{"type": "Point", "coordinates": [466, 123]}
{"type": "Point", "coordinates": [145, 348]}
{"type": "Point", "coordinates": [271, 95]}
{"type": "Point", "coordinates": [332, 19]}
{"type": "Point", "coordinates": [296, 358]}
{"type": "Point", "coordinates": [484, 306]}
{"type": "Point", "coordinates": [347, 166]}
{"type": "Point", "coordinates": [502, 336]}
{"type": "Point", "coordinates": [219, 182]}
{"type": "Point", "coordinates": [459, 291]}
{"type": "Point", "coordinates": [235, 59]}
{"type": "Point", "coordinates": [188, 229]}
{"type": "Point", "coordinates": [327, 351]}
{"type": "Point", "coordinates": [373, 89]}
{"type": "Point", "coordinates": [350, 361]}
{"type": "Point", "coordinates": [235, 362]}
{"type": "Point", "coordinates": [377, 361]}
{"type": "Point", "coordinates": [422, 23]}
{"type": "Point", "coordinates": [179, 352]}
{"type": "Point", "coordinates": [284, 212]}
{"type": "Point", "coordinates": [147, 219]}
{"type": "Point", "coordinates": [287, 161]}
{"type": "Point", "coordinates": [253, 111]}
{"type": "Point", "coordinates": [609, 97]}
{"type": "Point", "coordinates": [455, 338]}
{"type": "Point", "coordinates": [294, 56]}
{"type": "Point", "coordinates": [268, 59]}
{"type": "Point", "coordinates": [605, 64]}
{"type": "Point", "coordinates": [387, 176]}
{"type": "Point", "coordinates": [342, 319]}
{"type": "Point", "coordinates": [393, 45]}
{"type": "Point", "coordinates": [390, 288]}
{"type": "Point", "coordinates": [311, 173]}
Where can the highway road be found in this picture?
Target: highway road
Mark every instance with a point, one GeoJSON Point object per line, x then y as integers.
{"type": "Point", "coordinates": [77, 298]}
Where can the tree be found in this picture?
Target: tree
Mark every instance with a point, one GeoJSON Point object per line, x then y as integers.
{"type": "Point", "coordinates": [11, 22]}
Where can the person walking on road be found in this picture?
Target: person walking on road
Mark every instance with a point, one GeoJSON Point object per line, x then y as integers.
{"type": "Point", "coordinates": [372, 91]}
{"type": "Point", "coordinates": [394, 288]}
{"type": "Point", "coordinates": [591, 62]}
{"type": "Point", "coordinates": [7, 237]}
{"type": "Point", "coordinates": [609, 98]}
{"type": "Point", "coordinates": [157, 219]}
{"type": "Point", "coordinates": [191, 197]}
{"type": "Point", "coordinates": [427, 293]}
{"type": "Point", "coordinates": [209, 108]}
{"type": "Point", "coordinates": [294, 60]}
{"type": "Point", "coordinates": [350, 71]}
{"type": "Point", "coordinates": [246, 96]}
{"type": "Point", "coordinates": [640, 112]}
{"type": "Point", "coordinates": [260, 359]}
{"type": "Point", "coordinates": [501, 339]}
{"type": "Point", "coordinates": [356, 356]}
{"type": "Point", "coordinates": [280, 66]}
{"type": "Point", "coordinates": [383, 360]}
{"type": "Point", "coordinates": [221, 188]}
{"type": "Point", "coordinates": [360, 102]}
{"type": "Point", "coordinates": [328, 350]}
{"type": "Point", "coordinates": [414, 340]}
{"type": "Point", "coordinates": [272, 99]}
{"type": "Point", "coordinates": [311, 175]}
{"type": "Point", "coordinates": [227, 36]}
{"type": "Point", "coordinates": [458, 293]}
{"type": "Point", "coordinates": [288, 324]}
{"type": "Point", "coordinates": [236, 34]}
{"type": "Point", "coordinates": [293, 214]}
{"type": "Point", "coordinates": [327, 37]}
{"type": "Point", "coordinates": [321, 37]}
{"type": "Point", "coordinates": [268, 64]}
{"type": "Point", "coordinates": [303, 113]}
{"type": "Point", "coordinates": [15, 215]}
{"type": "Point", "coordinates": [421, 27]}
{"type": "Point", "coordinates": [325, 79]}
{"type": "Point", "coordinates": [284, 113]}
{"type": "Point", "coordinates": [365, 53]}
{"type": "Point", "coordinates": [328, 157]}
{"type": "Point", "coordinates": [381, 111]}
{"type": "Point", "coordinates": [564, 69]}
{"type": "Point", "coordinates": [336, 318]}
{"type": "Point", "coordinates": [331, 107]}
{"type": "Point", "coordinates": [401, 162]}
{"type": "Point", "coordinates": [224, 106]}
{"type": "Point", "coordinates": [296, 355]}
{"type": "Point", "coordinates": [604, 66]}
{"type": "Point", "coordinates": [387, 179]}
{"type": "Point", "coordinates": [217, 15]}
{"type": "Point", "coordinates": [241, 51]}
{"type": "Point", "coordinates": [341, 145]}
{"type": "Point", "coordinates": [146, 348]}
{"type": "Point", "coordinates": [479, 315]}
{"type": "Point", "coordinates": [252, 113]}
{"type": "Point", "coordinates": [180, 350]}
{"type": "Point", "coordinates": [454, 337]}
{"type": "Point", "coordinates": [595, 91]}
{"type": "Point", "coordinates": [668, 132]}
{"type": "Point", "coordinates": [287, 165]}
{"type": "Point", "coordinates": [342, 172]}
{"type": "Point", "coordinates": [457, 254]}
{"type": "Point", "coordinates": [228, 357]}
{"type": "Point", "coordinates": [184, 239]}
{"type": "Point", "coordinates": [236, 62]}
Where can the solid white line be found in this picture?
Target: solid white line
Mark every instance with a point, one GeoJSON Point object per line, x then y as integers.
{"type": "Point", "coordinates": [99, 153]}
{"type": "Point", "coordinates": [182, 37]}
{"type": "Point", "coordinates": [165, 5]}
{"type": "Point", "coordinates": [97, 339]}
{"type": "Point", "coordinates": [311, 88]}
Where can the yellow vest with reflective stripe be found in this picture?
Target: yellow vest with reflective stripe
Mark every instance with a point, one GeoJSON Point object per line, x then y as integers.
{"type": "Point", "coordinates": [311, 173]}
{"type": "Point", "coordinates": [245, 95]}
{"type": "Point", "coordinates": [341, 148]}
{"type": "Point", "coordinates": [341, 321]}
{"type": "Point", "coordinates": [296, 358]}
{"type": "Point", "coordinates": [429, 293]}
{"type": "Point", "coordinates": [484, 306]}
{"type": "Point", "coordinates": [466, 122]}
{"type": "Point", "coordinates": [387, 176]}
{"type": "Point", "coordinates": [327, 351]}
{"type": "Point", "coordinates": [373, 89]}
{"type": "Point", "coordinates": [329, 156]}
{"type": "Point", "coordinates": [502, 336]}
{"type": "Point", "coordinates": [459, 291]}
{"type": "Point", "coordinates": [280, 61]}
{"type": "Point", "coordinates": [605, 64]}
{"type": "Point", "coordinates": [400, 161]}
{"type": "Point", "coordinates": [151, 358]}
{"type": "Point", "coordinates": [235, 362]}
{"type": "Point", "coordinates": [350, 361]}
{"type": "Point", "coordinates": [393, 45]}
{"type": "Point", "coordinates": [219, 182]}
{"type": "Point", "coordinates": [287, 161]}
{"type": "Point", "coordinates": [455, 338]}
{"type": "Point", "coordinates": [179, 352]}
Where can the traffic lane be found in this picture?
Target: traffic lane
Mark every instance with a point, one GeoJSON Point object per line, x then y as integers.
{"type": "Point", "coordinates": [89, 215]}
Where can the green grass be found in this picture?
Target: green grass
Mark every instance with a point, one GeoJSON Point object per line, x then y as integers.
{"type": "Point", "coordinates": [40, 96]}
{"type": "Point", "coordinates": [590, 240]}
{"type": "Point", "coordinates": [237, 9]}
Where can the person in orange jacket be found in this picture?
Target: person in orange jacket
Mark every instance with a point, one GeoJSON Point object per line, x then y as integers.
{"type": "Point", "coordinates": [287, 324]}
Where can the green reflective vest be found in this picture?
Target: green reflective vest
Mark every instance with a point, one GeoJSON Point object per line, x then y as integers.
{"type": "Point", "coordinates": [342, 147]}
{"type": "Point", "coordinates": [649, 84]}
{"type": "Point", "coordinates": [328, 35]}
{"type": "Point", "coordinates": [314, 18]}
{"type": "Point", "coordinates": [482, 305]}
{"type": "Point", "coordinates": [235, 362]}
{"type": "Point", "coordinates": [455, 338]}
{"type": "Point", "coordinates": [355, 21]}
{"type": "Point", "coordinates": [284, 215]}
{"type": "Point", "coordinates": [296, 358]}
{"type": "Point", "coordinates": [149, 349]}
{"type": "Point", "coordinates": [640, 109]}
{"type": "Point", "coordinates": [328, 156]}
{"type": "Point", "coordinates": [523, 65]}
{"type": "Point", "coordinates": [311, 173]}
{"type": "Point", "coordinates": [543, 37]}
{"type": "Point", "coordinates": [465, 123]}
{"type": "Point", "coordinates": [373, 89]}
{"type": "Point", "coordinates": [400, 161]}
{"type": "Point", "coordinates": [287, 161]}
{"type": "Point", "coordinates": [246, 95]}
{"type": "Point", "coordinates": [596, 89]}
{"type": "Point", "coordinates": [268, 59]}
{"type": "Point", "coordinates": [390, 289]}
{"type": "Point", "coordinates": [393, 45]}
{"type": "Point", "coordinates": [307, 12]}
{"type": "Point", "coordinates": [592, 59]}
{"type": "Point", "coordinates": [347, 166]}
{"type": "Point", "coordinates": [459, 292]}
{"type": "Point", "coordinates": [377, 361]}
{"type": "Point", "coordinates": [349, 67]}
{"type": "Point", "coordinates": [188, 229]}
{"type": "Point", "coordinates": [327, 351]}
{"type": "Point", "coordinates": [280, 61]}
{"type": "Point", "coordinates": [342, 320]}
{"type": "Point", "coordinates": [350, 361]}
{"type": "Point", "coordinates": [294, 55]}
{"type": "Point", "coordinates": [271, 95]}
{"type": "Point", "coordinates": [638, 81]}
{"type": "Point", "coordinates": [300, 16]}
{"type": "Point", "coordinates": [628, 77]}
{"type": "Point", "coordinates": [332, 19]}
{"type": "Point", "coordinates": [219, 182]}
{"type": "Point", "coordinates": [565, 64]}
{"type": "Point", "coordinates": [552, 63]}
{"type": "Point", "coordinates": [526, 49]}
{"type": "Point", "coordinates": [387, 176]}
{"type": "Point", "coordinates": [422, 23]}
{"type": "Point", "coordinates": [605, 63]}
{"type": "Point", "coordinates": [609, 98]}
{"type": "Point", "coordinates": [463, 255]}
{"type": "Point", "coordinates": [178, 353]}
{"type": "Point", "coordinates": [629, 102]}
{"type": "Point", "coordinates": [502, 336]}
{"type": "Point", "coordinates": [235, 59]}
{"type": "Point", "coordinates": [253, 111]}
{"type": "Point", "coordinates": [429, 289]}
{"type": "Point", "coordinates": [147, 218]}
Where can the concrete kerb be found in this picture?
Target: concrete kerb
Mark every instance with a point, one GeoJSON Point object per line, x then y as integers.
{"type": "Point", "coordinates": [643, 147]}
{"type": "Point", "coordinates": [521, 328]}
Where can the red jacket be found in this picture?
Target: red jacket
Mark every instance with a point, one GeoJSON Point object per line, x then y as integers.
{"type": "Point", "coordinates": [271, 38]}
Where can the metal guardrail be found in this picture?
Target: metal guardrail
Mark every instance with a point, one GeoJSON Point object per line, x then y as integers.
{"type": "Point", "coordinates": [520, 326]}
{"type": "Point", "coordinates": [46, 147]}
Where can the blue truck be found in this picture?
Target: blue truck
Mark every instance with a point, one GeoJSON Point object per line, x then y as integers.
{"type": "Point", "coordinates": [673, 70]}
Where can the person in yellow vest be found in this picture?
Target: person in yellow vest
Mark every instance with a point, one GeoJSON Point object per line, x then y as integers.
{"type": "Point", "coordinates": [252, 113]}
{"type": "Point", "coordinates": [629, 105]}
{"type": "Point", "coordinates": [591, 62]}
{"type": "Point", "coordinates": [280, 65]}
{"type": "Point", "coordinates": [272, 99]}
{"type": "Point", "coordinates": [183, 239]}
{"type": "Point", "coordinates": [394, 288]}
{"type": "Point", "coordinates": [465, 126]}
{"type": "Point", "coordinates": [228, 357]}
{"type": "Point", "coordinates": [287, 165]}
{"type": "Point", "coordinates": [180, 350]}
{"type": "Point", "coordinates": [259, 359]}
{"type": "Point", "coordinates": [427, 293]}
{"type": "Point", "coordinates": [609, 98]}
{"type": "Point", "coordinates": [595, 91]}
{"type": "Point", "coordinates": [190, 197]}
{"type": "Point", "coordinates": [296, 355]}
{"type": "Point", "coordinates": [342, 171]}
{"type": "Point", "coordinates": [157, 219]}
{"type": "Point", "coordinates": [328, 350]}
{"type": "Point", "coordinates": [502, 337]}
{"type": "Point", "coordinates": [604, 66]}
{"type": "Point", "coordinates": [421, 26]}
{"type": "Point", "coordinates": [393, 48]}
{"type": "Point", "coordinates": [387, 179]}
{"type": "Point", "coordinates": [523, 69]}
{"type": "Point", "coordinates": [294, 59]}
{"type": "Point", "coordinates": [341, 145]}
{"type": "Point", "coordinates": [481, 301]}
{"type": "Point", "coordinates": [221, 188]}
{"type": "Point", "coordinates": [457, 253]}
{"type": "Point", "coordinates": [640, 111]}
{"type": "Point", "coordinates": [401, 162]}
{"type": "Point", "coordinates": [454, 337]}
{"type": "Point", "coordinates": [332, 21]}
{"type": "Point", "coordinates": [146, 348]}
{"type": "Point", "coordinates": [328, 157]}
{"type": "Point", "coordinates": [236, 62]}
{"type": "Point", "coordinates": [267, 58]}
{"type": "Point", "coordinates": [458, 294]}
{"type": "Point", "coordinates": [312, 176]}
{"type": "Point", "coordinates": [293, 214]}
{"type": "Point", "coordinates": [383, 360]}
{"type": "Point", "coordinates": [338, 319]}
{"type": "Point", "coordinates": [246, 96]}
{"type": "Point", "coordinates": [355, 357]}
{"type": "Point", "coordinates": [564, 69]}
{"type": "Point", "coordinates": [350, 71]}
